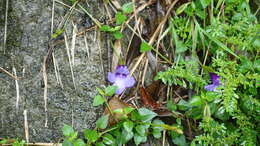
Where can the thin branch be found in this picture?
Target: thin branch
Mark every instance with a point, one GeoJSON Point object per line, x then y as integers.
{"type": "Point", "coordinates": [8, 73]}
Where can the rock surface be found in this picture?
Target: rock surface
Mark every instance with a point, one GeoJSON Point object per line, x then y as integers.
{"type": "Point", "coordinates": [28, 35]}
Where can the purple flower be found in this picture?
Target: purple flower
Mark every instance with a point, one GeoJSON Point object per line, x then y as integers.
{"type": "Point", "coordinates": [215, 82]}
{"type": "Point", "coordinates": [121, 79]}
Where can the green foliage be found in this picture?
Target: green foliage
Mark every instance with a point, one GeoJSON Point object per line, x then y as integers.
{"type": "Point", "coordinates": [134, 124]}
{"type": "Point", "coordinates": [98, 99]}
{"type": "Point", "coordinates": [120, 18]}
{"type": "Point", "coordinates": [3, 141]}
{"type": "Point", "coordinates": [226, 43]}
{"type": "Point", "coordinates": [182, 8]}
{"type": "Point", "coordinates": [128, 7]}
{"type": "Point", "coordinates": [114, 30]}
{"type": "Point", "coordinates": [145, 47]}
{"type": "Point", "coordinates": [118, 35]}
{"type": "Point", "coordinates": [57, 33]}
{"type": "Point", "coordinates": [102, 122]}
{"type": "Point", "coordinates": [71, 137]}
{"type": "Point", "coordinates": [136, 127]}
{"type": "Point", "coordinates": [16, 142]}
{"type": "Point", "coordinates": [183, 74]}
{"type": "Point", "coordinates": [110, 90]}
{"type": "Point", "coordinates": [91, 135]}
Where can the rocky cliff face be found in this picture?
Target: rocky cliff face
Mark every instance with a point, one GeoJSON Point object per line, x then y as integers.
{"type": "Point", "coordinates": [68, 102]}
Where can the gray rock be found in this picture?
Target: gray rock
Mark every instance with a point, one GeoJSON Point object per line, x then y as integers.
{"type": "Point", "coordinates": [28, 35]}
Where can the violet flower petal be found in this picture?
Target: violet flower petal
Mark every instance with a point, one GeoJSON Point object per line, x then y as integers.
{"type": "Point", "coordinates": [111, 77]}
{"type": "Point", "coordinates": [120, 83]}
{"type": "Point", "coordinates": [214, 78]}
{"type": "Point", "coordinates": [121, 79]}
{"type": "Point", "coordinates": [122, 69]}
{"type": "Point", "coordinates": [215, 82]}
{"type": "Point", "coordinates": [119, 90]}
{"type": "Point", "coordinates": [129, 82]}
{"type": "Point", "coordinates": [211, 87]}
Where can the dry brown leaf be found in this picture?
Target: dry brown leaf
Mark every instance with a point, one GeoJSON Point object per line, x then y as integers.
{"type": "Point", "coordinates": [147, 99]}
{"type": "Point", "coordinates": [114, 104]}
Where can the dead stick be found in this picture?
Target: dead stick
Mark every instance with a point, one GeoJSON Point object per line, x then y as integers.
{"type": "Point", "coordinates": [8, 73]}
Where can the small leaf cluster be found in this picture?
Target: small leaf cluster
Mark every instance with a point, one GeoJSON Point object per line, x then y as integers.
{"type": "Point", "coordinates": [133, 125]}
{"type": "Point", "coordinates": [120, 18]}
{"type": "Point", "coordinates": [196, 8]}
{"type": "Point", "coordinates": [71, 137]}
{"type": "Point", "coordinates": [100, 98]}
{"type": "Point", "coordinates": [185, 75]}
{"type": "Point", "coordinates": [15, 142]}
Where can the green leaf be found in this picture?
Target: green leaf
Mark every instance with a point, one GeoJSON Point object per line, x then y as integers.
{"type": "Point", "coordinates": [208, 69]}
{"type": "Point", "coordinates": [157, 125]}
{"type": "Point", "coordinates": [183, 105]}
{"type": "Point", "coordinates": [145, 47]}
{"type": "Point", "coordinates": [205, 3]}
{"type": "Point", "coordinates": [195, 101]}
{"type": "Point", "coordinates": [200, 13]}
{"type": "Point", "coordinates": [256, 43]}
{"type": "Point", "coordinates": [67, 143]}
{"type": "Point", "coordinates": [98, 99]}
{"type": "Point", "coordinates": [189, 10]}
{"type": "Point", "coordinates": [180, 47]}
{"type": "Point", "coordinates": [105, 28]}
{"type": "Point", "coordinates": [178, 139]}
{"type": "Point", "coordinates": [79, 142]}
{"type": "Point", "coordinates": [67, 130]}
{"type": "Point", "coordinates": [100, 91]}
{"type": "Point", "coordinates": [182, 8]}
{"type": "Point", "coordinates": [120, 18]}
{"type": "Point", "coordinates": [91, 135]}
{"type": "Point", "coordinates": [156, 133]}
{"type": "Point", "coordinates": [100, 144]}
{"type": "Point", "coordinates": [217, 42]}
{"type": "Point", "coordinates": [102, 122]}
{"type": "Point", "coordinates": [110, 90]}
{"type": "Point", "coordinates": [141, 129]}
{"type": "Point", "coordinates": [73, 1]}
{"type": "Point", "coordinates": [221, 114]}
{"type": "Point", "coordinates": [127, 136]}
{"type": "Point", "coordinates": [146, 115]}
{"type": "Point", "coordinates": [118, 35]}
{"type": "Point", "coordinates": [206, 112]}
{"type": "Point", "coordinates": [57, 33]}
{"type": "Point", "coordinates": [157, 128]}
{"type": "Point", "coordinates": [73, 136]}
{"type": "Point", "coordinates": [210, 96]}
{"type": "Point", "coordinates": [108, 139]}
{"type": "Point", "coordinates": [117, 28]}
{"type": "Point", "coordinates": [171, 106]}
{"type": "Point", "coordinates": [139, 139]}
{"type": "Point", "coordinates": [128, 110]}
{"type": "Point", "coordinates": [135, 115]}
{"type": "Point", "coordinates": [128, 8]}
{"type": "Point", "coordinates": [3, 141]}
{"type": "Point", "coordinates": [195, 112]}
{"type": "Point", "coordinates": [128, 125]}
